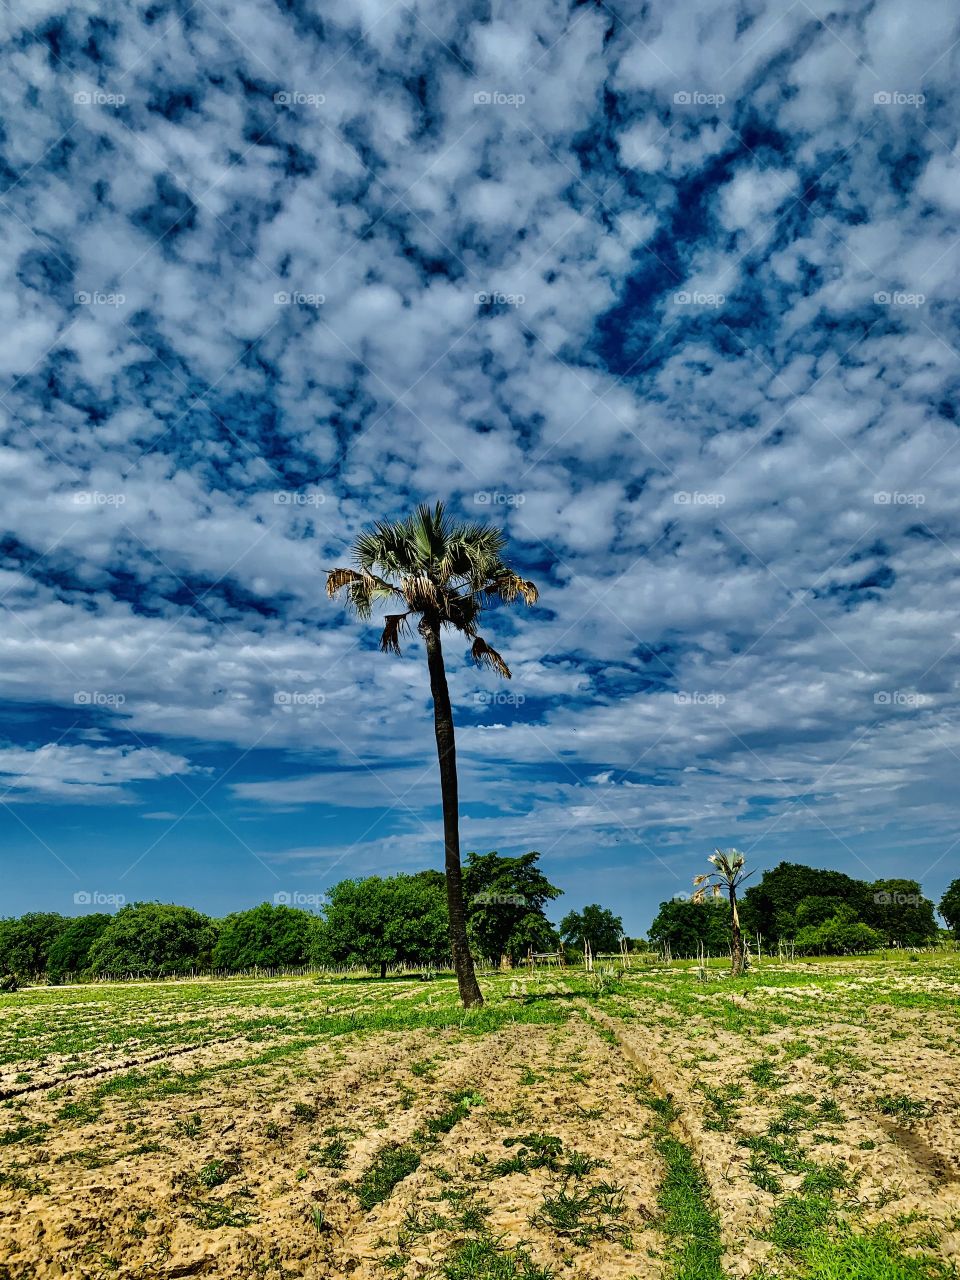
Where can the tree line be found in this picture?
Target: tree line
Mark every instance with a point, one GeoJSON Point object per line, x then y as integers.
{"type": "Point", "coordinates": [812, 910]}
{"type": "Point", "coordinates": [374, 922]}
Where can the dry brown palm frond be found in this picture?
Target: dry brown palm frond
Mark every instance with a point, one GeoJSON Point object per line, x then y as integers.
{"type": "Point", "coordinates": [700, 879]}
{"type": "Point", "coordinates": [337, 579]}
{"type": "Point", "coordinates": [717, 891]}
{"type": "Point", "coordinates": [698, 896]}
{"type": "Point", "coordinates": [421, 593]}
{"type": "Point", "coordinates": [395, 626]}
{"type": "Point", "coordinates": [509, 585]}
{"type": "Point", "coordinates": [485, 656]}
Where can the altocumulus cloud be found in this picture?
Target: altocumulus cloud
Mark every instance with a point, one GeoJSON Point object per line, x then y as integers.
{"type": "Point", "coordinates": [666, 290]}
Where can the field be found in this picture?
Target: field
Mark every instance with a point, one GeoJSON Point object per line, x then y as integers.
{"type": "Point", "coordinates": [800, 1121]}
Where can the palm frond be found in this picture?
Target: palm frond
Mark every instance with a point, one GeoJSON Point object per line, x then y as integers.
{"type": "Point", "coordinates": [508, 585]}
{"type": "Point", "coordinates": [337, 579]}
{"type": "Point", "coordinates": [395, 626]}
{"type": "Point", "coordinates": [485, 656]}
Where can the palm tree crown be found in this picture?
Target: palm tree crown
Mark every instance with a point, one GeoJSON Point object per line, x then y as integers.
{"type": "Point", "coordinates": [437, 567]}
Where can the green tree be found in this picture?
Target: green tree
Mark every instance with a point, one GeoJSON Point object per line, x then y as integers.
{"type": "Point", "coordinates": [594, 924]}
{"type": "Point", "coordinates": [442, 573]}
{"type": "Point", "coordinates": [267, 936]}
{"type": "Point", "coordinates": [155, 938]}
{"type": "Point", "coordinates": [684, 925]}
{"type": "Point", "coordinates": [25, 941]}
{"type": "Point", "coordinates": [950, 906]}
{"type": "Point", "coordinates": [898, 911]}
{"type": "Point", "coordinates": [70, 951]}
{"type": "Point", "coordinates": [769, 907]}
{"type": "Point", "coordinates": [401, 919]}
{"type": "Point", "coordinates": [727, 877]}
{"type": "Point", "coordinates": [505, 898]}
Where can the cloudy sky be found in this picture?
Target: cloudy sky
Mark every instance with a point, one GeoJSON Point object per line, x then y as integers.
{"type": "Point", "coordinates": [667, 290]}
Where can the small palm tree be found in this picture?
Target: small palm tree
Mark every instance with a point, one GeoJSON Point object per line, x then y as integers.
{"type": "Point", "coordinates": [728, 875]}
{"type": "Point", "coordinates": [444, 573]}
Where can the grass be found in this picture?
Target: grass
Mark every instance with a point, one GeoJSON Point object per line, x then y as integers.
{"type": "Point", "coordinates": [689, 1222]}
{"type": "Point", "coordinates": [485, 1259]}
{"type": "Point", "coordinates": [390, 1165]}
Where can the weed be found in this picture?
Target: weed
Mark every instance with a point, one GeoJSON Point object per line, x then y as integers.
{"type": "Point", "coordinates": [391, 1165]}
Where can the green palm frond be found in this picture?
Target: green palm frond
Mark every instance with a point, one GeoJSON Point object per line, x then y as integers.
{"type": "Point", "coordinates": [439, 568]}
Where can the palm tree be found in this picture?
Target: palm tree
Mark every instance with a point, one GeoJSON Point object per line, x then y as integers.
{"type": "Point", "coordinates": [443, 573]}
{"type": "Point", "coordinates": [729, 875]}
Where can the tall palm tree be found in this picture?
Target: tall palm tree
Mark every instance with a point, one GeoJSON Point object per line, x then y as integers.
{"type": "Point", "coordinates": [443, 573]}
{"type": "Point", "coordinates": [727, 876]}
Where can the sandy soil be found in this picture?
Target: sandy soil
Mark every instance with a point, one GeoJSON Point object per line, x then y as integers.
{"type": "Point", "coordinates": [119, 1194]}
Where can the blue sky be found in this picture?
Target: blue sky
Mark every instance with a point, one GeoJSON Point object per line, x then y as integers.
{"type": "Point", "coordinates": [667, 291]}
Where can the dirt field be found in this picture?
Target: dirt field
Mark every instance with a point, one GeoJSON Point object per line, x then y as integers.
{"type": "Point", "coordinates": [801, 1121]}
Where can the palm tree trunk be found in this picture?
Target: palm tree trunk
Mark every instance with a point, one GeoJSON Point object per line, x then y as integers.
{"type": "Point", "coordinates": [470, 994]}
{"type": "Point", "coordinates": [736, 948]}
